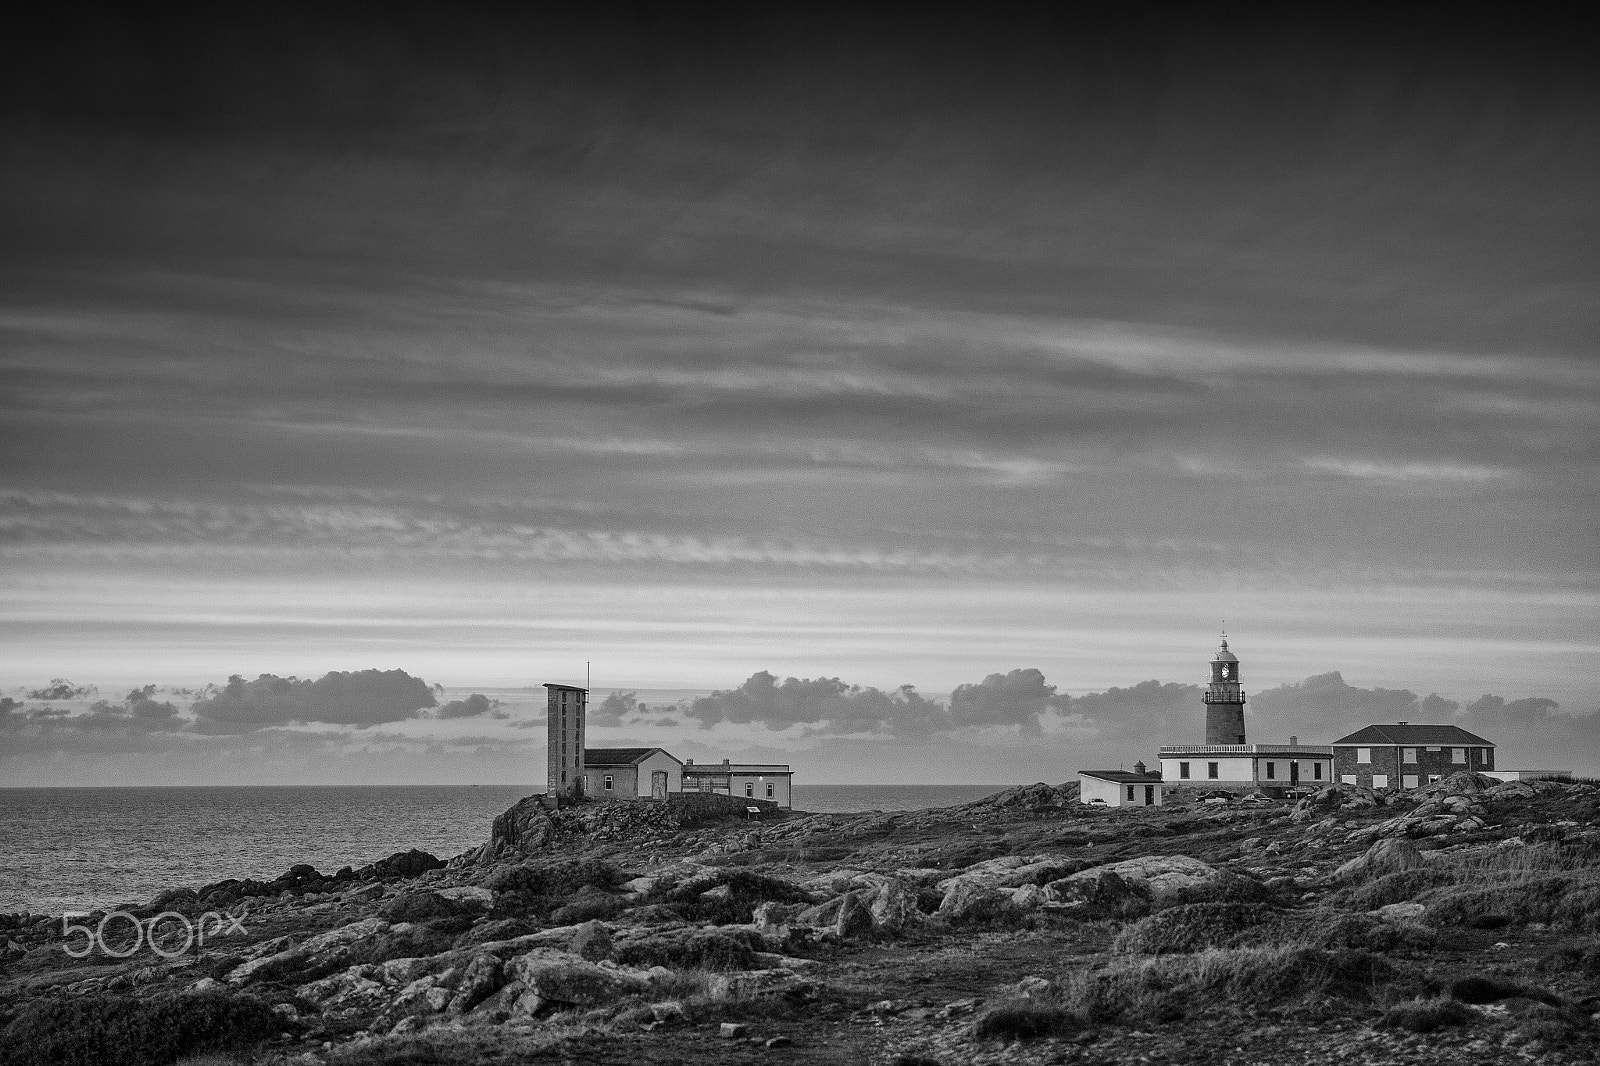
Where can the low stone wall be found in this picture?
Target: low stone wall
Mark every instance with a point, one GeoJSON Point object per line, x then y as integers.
{"type": "Point", "coordinates": [719, 803]}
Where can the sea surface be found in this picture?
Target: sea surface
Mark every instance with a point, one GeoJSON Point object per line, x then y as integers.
{"type": "Point", "coordinates": [65, 849]}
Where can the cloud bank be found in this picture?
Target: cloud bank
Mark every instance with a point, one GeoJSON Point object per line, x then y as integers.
{"type": "Point", "coordinates": [363, 698]}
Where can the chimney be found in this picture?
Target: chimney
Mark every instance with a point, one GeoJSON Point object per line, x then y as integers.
{"type": "Point", "coordinates": [724, 764]}
{"type": "Point", "coordinates": [688, 762]}
{"type": "Point", "coordinates": [1402, 723]}
{"type": "Point", "coordinates": [1138, 767]}
{"type": "Point", "coordinates": [1294, 742]}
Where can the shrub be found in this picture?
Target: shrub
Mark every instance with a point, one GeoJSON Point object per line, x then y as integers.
{"type": "Point", "coordinates": [698, 948]}
{"type": "Point", "coordinates": [563, 878]}
{"type": "Point", "coordinates": [1515, 900]}
{"type": "Point", "coordinates": [1426, 1015]}
{"type": "Point", "coordinates": [420, 907]}
{"type": "Point", "coordinates": [134, 1032]}
{"type": "Point", "coordinates": [1397, 887]}
{"type": "Point", "coordinates": [1192, 927]}
{"type": "Point", "coordinates": [1361, 931]}
{"type": "Point", "coordinates": [1575, 959]}
{"type": "Point", "coordinates": [747, 890]}
{"type": "Point", "coordinates": [1023, 1020]}
{"type": "Point", "coordinates": [541, 889]}
{"type": "Point", "coordinates": [588, 908]}
{"type": "Point", "coordinates": [417, 942]}
{"type": "Point", "coordinates": [1153, 989]}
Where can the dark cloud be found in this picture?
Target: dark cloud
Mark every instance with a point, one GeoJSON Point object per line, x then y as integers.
{"type": "Point", "coordinates": [610, 711]}
{"type": "Point", "coordinates": [139, 709]}
{"type": "Point", "coordinates": [471, 707]}
{"type": "Point", "coordinates": [1014, 700]}
{"type": "Point", "coordinates": [822, 705]}
{"type": "Point", "coordinates": [361, 698]}
{"type": "Point", "coordinates": [1138, 712]}
{"type": "Point", "coordinates": [1327, 706]}
{"type": "Point", "coordinates": [61, 689]}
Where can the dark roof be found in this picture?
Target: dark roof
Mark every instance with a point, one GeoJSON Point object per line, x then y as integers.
{"type": "Point", "coordinates": [565, 688]}
{"type": "Point", "coordinates": [1123, 777]}
{"type": "Point", "coordinates": [617, 756]}
{"type": "Point", "coordinates": [1415, 736]}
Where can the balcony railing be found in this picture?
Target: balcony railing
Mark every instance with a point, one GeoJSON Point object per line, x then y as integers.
{"type": "Point", "coordinates": [1244, 749]}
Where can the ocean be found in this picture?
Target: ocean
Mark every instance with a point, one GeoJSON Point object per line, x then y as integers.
{"type": "Point", "coordinates": [65, 849]}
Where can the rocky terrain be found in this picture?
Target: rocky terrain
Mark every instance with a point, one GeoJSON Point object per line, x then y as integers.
{"type": "Point", "coordinates": [1454, 924]}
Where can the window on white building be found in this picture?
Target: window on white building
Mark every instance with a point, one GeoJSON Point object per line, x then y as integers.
{"type": "Point", "coordinates": [1380, 780]}
{"type": "Point", "coordinates": [769, 790]}
{"type": "Point", "coordinates": [1211, 770]}
{"type": "Point", "coordinates": [1316, 771]}
{"type": "Point", "coordinates": [1363, 755]}
{"type": "Point", "coordinates": [1272, 771]}
{"type": "Point", "coordinates": [1130, 792]}
{"type": "Point", "coordinates": [1183, 770]}
{"type": "Point", "coordinates": [749, 788]}
{"type": "Point", "coordinates": [609, 781]}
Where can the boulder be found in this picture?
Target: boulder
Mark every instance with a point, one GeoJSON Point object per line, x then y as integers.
{"type": "Point", "coordinates": [1097, 893]}
{"type": "Point", "coordinates": [1033, 797]}
{"type": "Point", "coordinates": [1460, 783]}
{"type": "Point", "coordinates": [965, 896]}
{"type": "Point", "coordinates": [854, 918]}
{"type": "Point", "coordinates": [1170, 878]}
{"type": "Point", "coordinates": [592, 941]}
{"type": "Point", "coordinates": [316, 953]}
{"type": "Point", "coordinates": [1385, 857]}
{"type": "Point", "coordinates": [523, 829]}
{"type": "Point", "coordinates": [467, 894]}
{"type": "Point", "coordinates": [773, 918]}
{"type": "Point", "coordinates": [560, 979]}
{"type": "Point", "coordinates": [353, 990]}
{"type": "Point", "coordinates": [1028, 897]}
{"type": "Point", "coordinates": [1400, 912]}
{"type": "Point", "coordinates": [845, 916]}
{"type": "Point", "coordinates": [401, 864]}
{"type": "Point", "coordinates": [752, 984]}
{"type": "Point", "coordinates": [894, 907]}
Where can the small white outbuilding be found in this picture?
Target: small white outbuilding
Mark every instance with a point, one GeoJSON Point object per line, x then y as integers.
{"type": "Point", "coordinates": [1120, 788]}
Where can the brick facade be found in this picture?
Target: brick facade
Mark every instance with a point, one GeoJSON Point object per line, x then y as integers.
{"type": "Point", "coordinates": [1407, 765]}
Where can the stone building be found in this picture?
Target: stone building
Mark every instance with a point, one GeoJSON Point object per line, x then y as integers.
{"type": "Point", "coordinates": [763, 781]}
{"type": "Point", "coordinates": [1407, 756]}
{"type": "Point", "coordinates": [1120, 788]}
{"type": "Point", "coordinates": [1225, 760]}
{"type": "Point", "coordinates": [565, 708]}
{"type": "Point", "coordinates": [631, 773]}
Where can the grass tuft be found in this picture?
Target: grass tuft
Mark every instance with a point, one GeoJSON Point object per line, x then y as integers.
{"type": "Point", "coordinates": [1426, 1015]}
{"type": "Point", "coordinates": [1024, 1020]}
{"type": "Point", "coordinates": [135, 1032]}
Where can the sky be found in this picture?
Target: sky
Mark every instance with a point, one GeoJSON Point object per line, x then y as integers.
{"type": "Point", "coordinates": [1010, 360]}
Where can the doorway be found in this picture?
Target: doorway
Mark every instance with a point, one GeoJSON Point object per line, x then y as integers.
{"type": "Point", "coordinates": [658, 784]}
{"type": "Point", "coordinates": [1149, 795]}
{"type": "Point", "coordinates": [1294, 771]}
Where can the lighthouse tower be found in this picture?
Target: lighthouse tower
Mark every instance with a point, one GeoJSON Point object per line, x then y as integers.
{"type": "Point", "coordinates": [1224, 699]}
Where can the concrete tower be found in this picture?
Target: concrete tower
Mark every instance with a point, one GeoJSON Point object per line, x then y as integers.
{"type": "Point", "coordinates": [1224, 699]}
{"type": "Point", "coordinates": [564, 731]}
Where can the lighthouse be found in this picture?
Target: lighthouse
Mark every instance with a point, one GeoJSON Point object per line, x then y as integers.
{"type": "Point", "coordinates": [1224, 699]}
